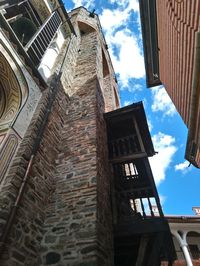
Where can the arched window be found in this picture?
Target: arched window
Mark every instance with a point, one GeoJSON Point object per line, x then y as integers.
{"type": "Point", "coordinates": [85, 28]}
{"type": "Point", "coordinates": [24, 28]}
{"type": "Point", "coordinates": [116, 98]}
{"type": "Point", "coordinates": [10, 95]}
{"type": "Point", "coordinates": [106, 71]}
{"type": "Point", "coordinates": [193, 240]}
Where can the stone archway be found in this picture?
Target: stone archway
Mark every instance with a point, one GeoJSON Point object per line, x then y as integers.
{"type": "Point", "coordinates": [193, 240]}
{"type": "Point", "coordinates": [10, 94]}
{"type": "Point", "coordinates": [85, 28]}
{"type": "Point", "coordinates": [182, 232]}
{"type": "Point", "coordinates": [12, 98]}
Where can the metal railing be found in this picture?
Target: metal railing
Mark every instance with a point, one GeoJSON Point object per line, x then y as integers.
{"type": "Point", "coordinates": [39, 43]}
{"type": "Point", "coordinates": [6, 28]}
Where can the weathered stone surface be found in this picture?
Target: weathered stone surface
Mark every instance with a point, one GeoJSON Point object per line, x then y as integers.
{"type": "Point", "coordinates": [50, 239]}
{"type": "Point", "coordinates": [52, 258]}
{"type": "Point", "coordinates": [19, 257]}
{"type": "Point", "coordinates": [88, 249]}
{"type": "Point", "coordinates": [64, 216]}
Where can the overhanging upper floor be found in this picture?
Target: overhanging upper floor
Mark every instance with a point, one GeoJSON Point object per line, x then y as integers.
{"type": "Point", "coordinates": [128, 133]}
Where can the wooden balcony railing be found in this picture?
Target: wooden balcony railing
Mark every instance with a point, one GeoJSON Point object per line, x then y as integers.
{"type": "Point", "coordinates": [124, 146]}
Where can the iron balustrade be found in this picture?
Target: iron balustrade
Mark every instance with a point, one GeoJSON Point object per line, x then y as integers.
{"type": "Point", "coordinates": [39, 43]}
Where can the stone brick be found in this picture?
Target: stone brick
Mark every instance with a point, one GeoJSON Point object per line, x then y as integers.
{"type": "Point", "coordinates": [52, 258]}
{"type": "Point", "coordinates": [64, 216]}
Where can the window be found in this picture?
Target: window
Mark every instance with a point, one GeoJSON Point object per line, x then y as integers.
{"type": "Point", "coordinates": [106, 71]}
{"type": "Point", "coordinates": [194, 249]}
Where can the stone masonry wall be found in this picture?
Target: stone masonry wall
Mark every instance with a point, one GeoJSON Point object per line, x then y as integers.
{"type": "Point", "coordinates": [65, 217]}
{"type": "Point", "coordinates": [104, 178]}
{"type": "Point", "coordinates": [25, 235]}
{"type": "Point", "coordinates": [109, 93]}
{"type": "Point", "coordinates": [77, 230]}
{"type": "Point", "coordinates": [70, 224]}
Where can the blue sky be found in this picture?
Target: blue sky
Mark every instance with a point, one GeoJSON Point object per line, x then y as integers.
{"type": "Point", "coordinates": [178, 184]}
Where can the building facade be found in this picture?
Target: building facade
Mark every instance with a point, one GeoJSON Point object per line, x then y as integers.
{"type": "Point", "coordinates": [186, 238]}
{"type": "Point", "coordinates": [171, 48]}
{"type": "Point", "coordinates": [185, 231]}
{"type": "Point", "coordinates": [73, 166]}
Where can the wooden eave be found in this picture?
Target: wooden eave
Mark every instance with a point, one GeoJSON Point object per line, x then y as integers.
{"type": "Point", "coordinates": [183, 219]}
{"type": "Point", "coordinates": [193, 138]}
{"type": "Point", "coordinates": [150, 41]}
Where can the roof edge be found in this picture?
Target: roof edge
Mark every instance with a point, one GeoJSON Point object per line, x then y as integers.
{"type": "Point", "coordinates": [150, 41]}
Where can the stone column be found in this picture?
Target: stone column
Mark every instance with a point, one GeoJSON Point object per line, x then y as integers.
{"type": "Point", "coordinates": [181, 238]}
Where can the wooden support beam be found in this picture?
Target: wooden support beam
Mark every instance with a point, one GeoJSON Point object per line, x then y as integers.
{"type": "Point", "coordinates": [142, 249]}
{"type": "Point", "coordinates": [154, 253]}
{"type": "Point", "coordinates": [126, 158]}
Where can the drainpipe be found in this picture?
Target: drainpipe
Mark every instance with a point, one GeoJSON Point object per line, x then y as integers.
{"type": "Point", "coordinates": [181, 238]}
{"type": "Point", "coordinates": [41, 129]}
{"type": "Point", "coordinates": [186, 254]}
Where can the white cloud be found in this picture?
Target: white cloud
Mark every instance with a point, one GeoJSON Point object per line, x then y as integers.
{"type": "Point", "coordinates": [162, 199]}
{"type": "Point", "coordinates": [133, 87]}
{"type": "Point", "coordinates": [124, 48]}
{"type": "Point", "coordinates": [127, 103]}
{"type": "Point", "coordinates": [150, 125]}
{"type": "Point", "coordinates": [183, 167]}
{"type": "Point", "coordinates": [165, 146]}
{"type": "Point", "coordinates": [86, 3]}
{"type": "Point", "coordinates": [129, 54]}
{"type": "Point", "coordinates": [162, 102]}
{"type": "Point", "coordinates": [112, 19]}
{"type": "Point", "coordinates": [133, 5]}
{"type": "Point", "coordinates": [137, 87]}
{"type": "Point", "coordinates": [114, 23]}
{"type": "Point", "coordinates": [130, 4]}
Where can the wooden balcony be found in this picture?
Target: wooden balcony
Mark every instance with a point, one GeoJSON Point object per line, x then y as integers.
{"type": "Point", "coordinates": [140, 237]}
{"type": "Point", "coordinates": [136, 226]}
{"type": "Point", "coordinates": [128, 134]}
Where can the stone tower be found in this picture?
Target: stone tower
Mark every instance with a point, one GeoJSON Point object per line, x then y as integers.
{"type": "Point", "coordinates": [72, 168]}
{"type": "Point", "coordinates": [55, 88]}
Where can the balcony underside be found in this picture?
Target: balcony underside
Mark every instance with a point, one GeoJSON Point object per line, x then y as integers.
{"type": "Point", "coordinates": [144, 248]}
{"type": "Point", "coordinates": [131, 226]}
